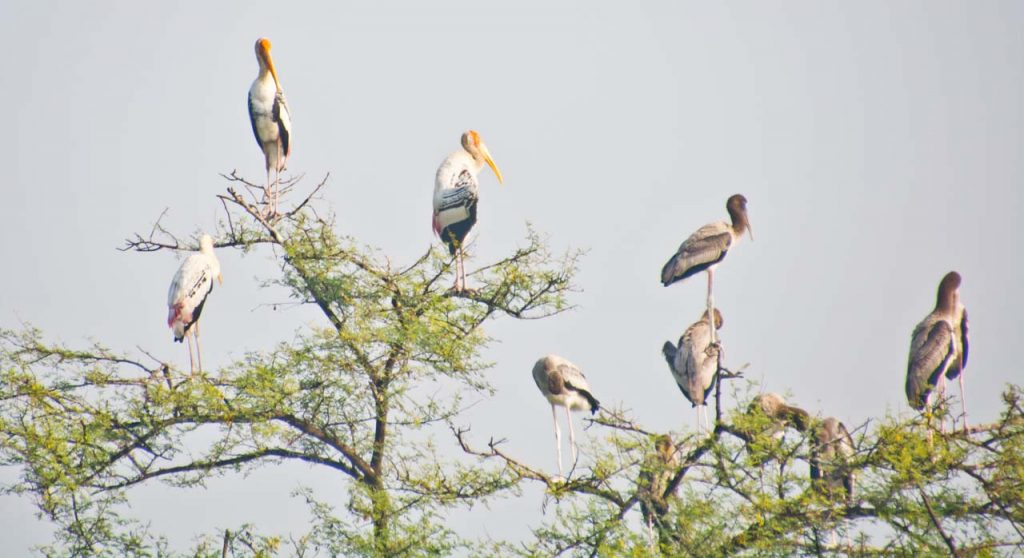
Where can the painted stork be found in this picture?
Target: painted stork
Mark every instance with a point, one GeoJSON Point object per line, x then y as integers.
{"type": "Point", "coordinates": [191, 285]}
{"type": "Point", "coordinates": [271, 120]}
{"type": "Point", "coordinates": [456, 194]}
{"type": "Point", "coordinates": [694, 363]}
{"type": "Point", "coordinates": [832, 449]}
{"type": "Point", "coordinates": [938, 347]}
{"type": "Point", "coordinates": [563, 384]}
{"type": "Point", "coordinates": [704, 249]}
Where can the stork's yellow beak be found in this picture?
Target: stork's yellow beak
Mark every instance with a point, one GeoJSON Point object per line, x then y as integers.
{"type": "Point", "coordinates": [220, 279]}
{"type": "Point", "coordinates": [264, 50]}
{"type": "Point", "coordinates": [490, 162]}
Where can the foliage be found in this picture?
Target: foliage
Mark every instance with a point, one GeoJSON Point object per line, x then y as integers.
{"type": "Point", "coordinates": [374, 395]}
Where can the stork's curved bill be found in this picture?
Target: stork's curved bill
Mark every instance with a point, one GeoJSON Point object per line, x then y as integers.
{"type": "Point", "coordinates": [456, 194]}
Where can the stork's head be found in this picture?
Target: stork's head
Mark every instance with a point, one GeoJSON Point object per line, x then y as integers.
{"type": "Point", "coordinates": [472, 143]}
{"type": "Point", "coordinates": [949, 291]}
{"type": "Point", "coordinates": [263, 57]}
{"type": "Point", "coordinates": [737, 207]}
{"type": "Point", "coordinates": [718, 318]}
{"type": "Point", "coordinates": [206, 248]}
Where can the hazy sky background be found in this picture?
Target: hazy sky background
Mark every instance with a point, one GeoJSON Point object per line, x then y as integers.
{"type": "Point", "coordinates": [880, 145]}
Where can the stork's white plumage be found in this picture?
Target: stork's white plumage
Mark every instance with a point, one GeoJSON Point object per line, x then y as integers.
{"type": "Point", "coordinates": [704, 249]}
{"type": "Point", "coordinates": [562, 383]}
{"type": "Point", "coordinates": [694, 362]}
{"type": "Point", "coordinates": [271, 119]}
{"type": "Point", "coordinates": [185, 299]}
{"type": "Point", "coordinates": [456, 192]}
{"type": "Point", "coordinates": [938, 347]}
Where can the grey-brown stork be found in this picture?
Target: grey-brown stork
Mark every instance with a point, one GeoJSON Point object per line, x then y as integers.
{"type": "Point", "coordinates": [830, 454]}
{"type": "Point", "coordinates": [938, 348]}
{"type": "Point", "coordinates": [185, 299]}
{"type": "Point", "coordinates": [694, 363]}
{"type": "Point", "coordinates": [562, 383]}
{"type": "Point", "coordinates": [707, 247]}
{"type": "Point", "coordinates": [456, 193]}
{"type": "Point", "coordinates": [271, 121]}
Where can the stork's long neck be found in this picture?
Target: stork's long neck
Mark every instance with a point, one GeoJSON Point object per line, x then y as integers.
{"type": "Point", "coordinates": [739, 223]}
{"type": "Point", "coordinates": [947, 302]}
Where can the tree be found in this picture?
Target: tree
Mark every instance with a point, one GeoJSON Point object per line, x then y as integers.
{"type": "Point", "coordinates": [85, 425]}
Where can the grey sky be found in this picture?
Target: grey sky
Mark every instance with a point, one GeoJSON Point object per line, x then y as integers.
{"type": "Point", "coordinates": [879, 144]}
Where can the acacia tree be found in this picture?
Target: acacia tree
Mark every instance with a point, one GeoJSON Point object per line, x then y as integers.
{"type": "Point", "coordinates": [86, 425]}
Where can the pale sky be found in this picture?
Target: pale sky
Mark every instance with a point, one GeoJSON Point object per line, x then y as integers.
{"type": "Point", "coordinates": [880, 144]}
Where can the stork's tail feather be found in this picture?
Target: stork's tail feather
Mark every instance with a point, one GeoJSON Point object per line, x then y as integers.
{"type": "Point", "coordinates": [668, 274]}
{"type": "Point", "coordinates": [595, 405]}
{"type": "Point", "coordinates": [176, 321]}
{"type": "Point", "coordinates": [173, 312]}
{"type": "Point", "coordinates": [669, 350]}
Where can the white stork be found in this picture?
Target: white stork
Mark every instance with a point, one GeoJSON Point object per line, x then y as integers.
{"type": "Point", "coordinates": [189, 289]}
{"type": "Point", "coordinates": [271, 120]}
{"type": "Point", "coordinates": [563, 384]}
{"type": "Point", "coordinates": [455, 197]}
{"type": "Point", "coordinates": [704, 249]}
{"type": "Point", "coordinates": [938, 347]}
{"type": "Point", "coordinates": [694, 362]}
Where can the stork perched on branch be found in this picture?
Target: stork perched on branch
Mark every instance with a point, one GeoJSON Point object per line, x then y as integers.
{"type": "Point", "coordinates": [694, 362]}
{"type": "Point", "coordinates": [456, 192]}
{"type": "Point", "coordinates": [271, 121]}
{"type": "Point", "coordinates": [562, 383]}
{"type": "Point", "coordinates": [938, 348]}
{"type": "Point", "coordinates": [707, 247]}
{"type": "Point", "coordinates": [185, 299]}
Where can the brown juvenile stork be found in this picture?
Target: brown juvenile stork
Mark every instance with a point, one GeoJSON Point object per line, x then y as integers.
{"type": "Point", "coordinates": [938, 348]}
{"type": "Point", "coordinates": [833, 448]}
{"type": "Point", "coordinates": [456, 192]}
{"type": "Point", "coordinates": [562, 383]}
{"type": "Point", "coordinates": [707, 247]}
{"type": "Point", "coordinates": [271, 121]}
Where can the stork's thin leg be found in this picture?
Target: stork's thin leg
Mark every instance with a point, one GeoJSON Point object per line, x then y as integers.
{"type": "Point", "coordinates": [199, 350]}
{"type": "Point", "coordinates": [707, 421]}
{"type": "Point", "coordinates": [458, 269]}
{"type": "Point", "coordinates": [267, 191]}
{"type": "Point", "coordinates": [191, 361]}
{"type": "Point", "coordinates": [277, 184]}
{"type": "Point", "coordinates": [572, 437]}
{"type": "Point", "coordinates": [711, 306]}
{"type": "Point", "coordinates": [942, 402]}
{"type": "Point", "coordinates": [462, 259]}
{"type": "Point", "coordinates": [698, 421]}
{"type": "Point", "coordinates": [558, 440]}
{"type": "Point", "coordinates": [963, 397]}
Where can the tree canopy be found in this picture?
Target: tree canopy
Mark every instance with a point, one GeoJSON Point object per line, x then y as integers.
{"type": "Point", "coordinates": [374, 394]}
